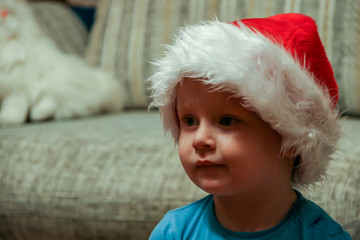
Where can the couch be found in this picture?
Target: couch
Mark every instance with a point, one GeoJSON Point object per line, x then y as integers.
{"type": "Point", "coordinates": [114, 176]}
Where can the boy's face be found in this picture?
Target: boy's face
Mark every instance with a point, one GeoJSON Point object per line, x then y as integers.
{"type": "Point", "coordinates": [224, 148]}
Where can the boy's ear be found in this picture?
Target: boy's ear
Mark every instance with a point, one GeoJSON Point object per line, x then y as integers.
{"type": "Point", "coordinates": [291, 153]}
{"type": "Point", "coordinates": [295, 158]}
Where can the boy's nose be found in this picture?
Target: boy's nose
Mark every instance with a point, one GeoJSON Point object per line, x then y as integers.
{"type": "Point", "coordinates": [203, 139]}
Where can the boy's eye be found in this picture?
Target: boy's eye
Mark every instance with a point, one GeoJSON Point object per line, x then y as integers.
{"type": "Point", "coordinates": [228, 121]}
{"type": "Point", "coordinates": [190, 121]}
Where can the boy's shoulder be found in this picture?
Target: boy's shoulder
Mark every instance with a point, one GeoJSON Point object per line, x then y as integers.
{"type": "Point", "coordinates": [181, 223]}
{"type": "Point", "coordinates": [312, 217]}
{"type": "Point", "coordinates": [306, 220]}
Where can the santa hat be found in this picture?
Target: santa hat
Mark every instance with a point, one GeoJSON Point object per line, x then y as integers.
{"type": "Point", "coordinates": [277, 65]}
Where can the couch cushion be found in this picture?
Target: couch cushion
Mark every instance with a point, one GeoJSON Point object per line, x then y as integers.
{"type": "Point", "coordinates": [128, 35]}
{"type": "Point", "coordinates": [62, 25]}
{"type": "Point", "coordinates": [115, 176]}
{"type": "Point", "coordinates": [339, 193]}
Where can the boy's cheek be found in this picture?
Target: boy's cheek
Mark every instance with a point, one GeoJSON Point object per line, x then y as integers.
{"type": "Point", "coordinates": [185, 139]}
{"type": "Point", "coordinates": [185, 160]}
{"type": "Point", "coordinates": [185, 149]}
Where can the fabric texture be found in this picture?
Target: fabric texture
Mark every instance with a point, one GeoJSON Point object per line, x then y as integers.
{"type": "Point", "coordinates": [304, 221]}
{"type": "Point", "coordinates": [62, 24]}
{"type": "Point", "coordinates": [128, 35]}
{"type": "Point", "coordinates": [106, 177]}
{"type": "Point", "coordinates": [80, 179]}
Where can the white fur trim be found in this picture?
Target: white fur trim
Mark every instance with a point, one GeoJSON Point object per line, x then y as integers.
{"type": "Point", "coordinates": [266, 76]}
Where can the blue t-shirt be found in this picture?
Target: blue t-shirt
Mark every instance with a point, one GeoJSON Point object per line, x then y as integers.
{"type": "Point", "coordinates": [305, 220]}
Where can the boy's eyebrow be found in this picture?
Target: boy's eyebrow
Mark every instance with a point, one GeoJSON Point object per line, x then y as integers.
{"type": "Point", "coordinates": [181, 110]}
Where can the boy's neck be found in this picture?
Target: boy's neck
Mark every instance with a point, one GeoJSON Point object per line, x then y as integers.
{"type": "Point", "coordinates": [252, 213]}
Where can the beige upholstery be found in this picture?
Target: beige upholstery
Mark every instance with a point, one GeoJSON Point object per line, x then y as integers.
{"type": "Point", "coordinates": [114, 176]}
{"type": "Point", "coordinates": [128, 35]}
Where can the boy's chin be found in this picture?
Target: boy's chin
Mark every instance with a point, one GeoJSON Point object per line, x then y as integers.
{"type": "Point", "coordinates": [214, 187]}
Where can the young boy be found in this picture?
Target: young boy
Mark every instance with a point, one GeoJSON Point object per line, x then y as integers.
{"type": "Point", "coordinates": [251, 105]}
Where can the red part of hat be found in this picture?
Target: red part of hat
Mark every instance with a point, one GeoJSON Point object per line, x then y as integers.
{"type": "Point", "coordinates": [298, 34]}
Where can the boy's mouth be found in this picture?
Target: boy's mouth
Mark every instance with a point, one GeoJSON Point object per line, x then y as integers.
{"type": "Point", "coordinates": [206, 163]}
